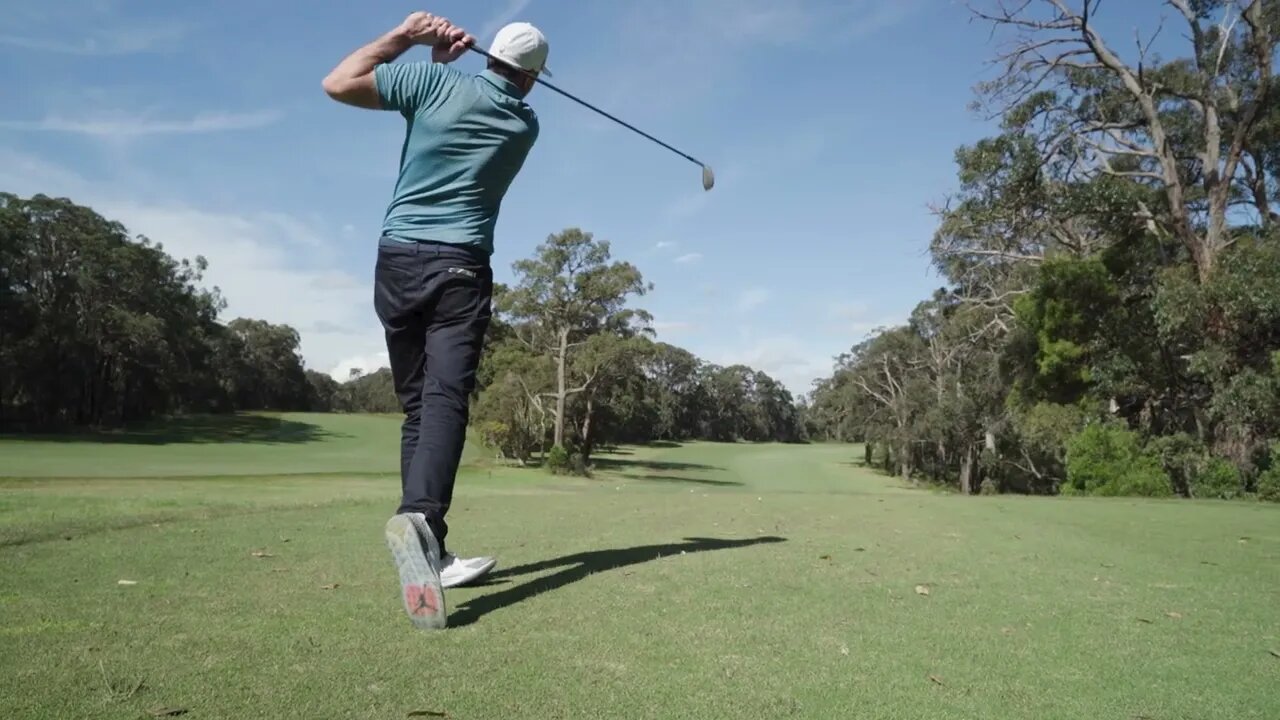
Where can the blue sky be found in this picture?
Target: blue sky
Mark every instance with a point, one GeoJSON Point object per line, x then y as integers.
{"type": "Point", "coordinates": [831, 126]}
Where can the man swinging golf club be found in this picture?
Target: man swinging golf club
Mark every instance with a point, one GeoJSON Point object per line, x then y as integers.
{"type": "Point", "coordinates": [466, 138]}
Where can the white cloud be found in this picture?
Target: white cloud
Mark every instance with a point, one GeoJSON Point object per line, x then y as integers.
{"type": "Point", "coordinates": [688, 258]}
{"type": "Point", "coordinates": [509, 12]}
{"type": "Point", "coordinates": [268, 265]}
{"type": "Point", "coordinates": [857, 319]}
{"type": "Point", "coordinates": [752, 298]}
{"type": "Point", "coordinates": [132, 40]}
{"type": "Point", "coordinates": [252, 259]}
{"type": "Point", "coordinates": [139, 126]}
{"type": "Point", "coordinates": [665, 244]}
{"type": "Point", "coordinates": [366, 364]}
{"type": "Point", "coordinates": [785, 358]}
{"type": "Point", "coordinates": [712, 35]}
{"type": "Point", "coordinates": [672, 327]}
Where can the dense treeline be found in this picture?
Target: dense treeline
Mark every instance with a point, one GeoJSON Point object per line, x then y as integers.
{"type": "Point", "coordinates": [1111, 322]}
{"type": "Point", "coordinates": [101, 329]}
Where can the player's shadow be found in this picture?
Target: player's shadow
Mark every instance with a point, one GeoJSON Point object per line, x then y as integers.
{"type": "Point", "coordinates": [578, 566]}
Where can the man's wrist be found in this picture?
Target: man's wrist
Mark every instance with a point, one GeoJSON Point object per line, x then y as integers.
{"type": "Point", "coordinates": [396, 43]}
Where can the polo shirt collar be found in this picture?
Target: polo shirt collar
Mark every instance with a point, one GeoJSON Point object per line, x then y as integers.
{"type": "Point", "coordinates": [502, 83]}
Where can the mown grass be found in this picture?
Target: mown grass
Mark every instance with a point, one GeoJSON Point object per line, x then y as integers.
{"type": "Point", "coordinates": [697, 581]}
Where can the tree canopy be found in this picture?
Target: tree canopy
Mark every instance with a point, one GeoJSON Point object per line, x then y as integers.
{"type": "Point", "coordinates": [1110, 322]}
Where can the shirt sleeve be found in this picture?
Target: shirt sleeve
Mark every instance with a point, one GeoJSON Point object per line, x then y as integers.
{"type": "Point", "coordinates": [408, 87]}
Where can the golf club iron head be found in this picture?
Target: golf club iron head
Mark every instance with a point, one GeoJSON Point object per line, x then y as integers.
{"type": "Point", "coordinates": [708, 178]}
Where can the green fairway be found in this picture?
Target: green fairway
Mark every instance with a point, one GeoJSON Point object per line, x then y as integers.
{"type": "Point", "coordinates": [697, 581]}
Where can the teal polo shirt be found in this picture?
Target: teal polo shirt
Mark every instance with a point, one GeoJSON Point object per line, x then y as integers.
{"type": "Point", "coordinates": [466, 138]}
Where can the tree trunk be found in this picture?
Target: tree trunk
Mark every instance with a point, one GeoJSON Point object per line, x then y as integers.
{"type": "Point", "coordinates": [868, 451]}
{"type": "Point", "coordinates": [562, 390]}
{"type": "Point", "coordinates": [966, 471]}
{"type": "Point", "coordinates": [586, 429]}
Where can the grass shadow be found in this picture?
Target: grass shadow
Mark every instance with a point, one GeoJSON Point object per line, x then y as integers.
{"type": "Point", "coordinates": [611, 464]}
{"type": "Point", "coordinates": [197, 429]}
{"type": "Point", "coordinates": [683, 479]}
{"type": "Point", "coordinates": [663, 444]}
{"type": "Point", "coordinates": [580, 565]}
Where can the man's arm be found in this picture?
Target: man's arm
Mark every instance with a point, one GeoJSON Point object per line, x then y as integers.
{"type": "Point", "coordinates": [352, 81]}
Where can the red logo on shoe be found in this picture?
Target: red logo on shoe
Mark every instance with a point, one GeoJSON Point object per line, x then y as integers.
{"type": "Point", "coordinates": [421, 600]}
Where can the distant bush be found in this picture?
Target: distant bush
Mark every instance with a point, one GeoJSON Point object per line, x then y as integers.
{"type": "Point", "coordinates": [1269, 480]}
{"type": "Point", "coordinates": [989, 487]}
{"type": "Point", "coordinates": [558, 460]}
{"type": "Point", "coordinates": [1106, 459]}
{"type": "Point", "coordinates": [1182, 456]}
{"type": "Point", "coordinates": [1217, 479]}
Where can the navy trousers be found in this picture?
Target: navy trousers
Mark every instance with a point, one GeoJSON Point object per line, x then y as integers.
{"type": "Point", "coordinates": [434, 302]}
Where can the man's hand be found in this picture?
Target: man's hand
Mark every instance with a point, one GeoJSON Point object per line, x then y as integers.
{"type": "Point", "coordinates": [448, 41]}
{"type": "Point", "coordinates": [352, 81]}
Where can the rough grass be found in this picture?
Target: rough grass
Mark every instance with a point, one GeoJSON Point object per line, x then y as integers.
{"type": "Point", "coordinates": [702, 581]}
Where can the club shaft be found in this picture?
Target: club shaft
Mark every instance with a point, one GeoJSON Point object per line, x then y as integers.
{"type": "Point", "coordinates": [589, 106]}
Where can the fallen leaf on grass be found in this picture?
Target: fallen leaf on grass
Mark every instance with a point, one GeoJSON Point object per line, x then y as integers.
{"type": "Point", "coordinates": [261, 554]}
{"type": "Point", "coordinates": [1276, 653]}
{"type": "Point", "coordinates": [859, 549]}
{"type": "Point", "coordinates": [922, 589]}
{"type": "Point", "coordinates": [1108, 565]}
{"type": "Point", "coordinates": [844, 650]}
{"type": "Point", "coordinates": [331, 586]}
{"type": "Point", "coordinates": [126, 582]}
{"type": "Point", "coordinates": [824, 557]}
{"type": "Point", "coordinates": [1174, 615]}
{"type": "Point", "coordinates": [167, 712]}
{"type": "Point", "coordinates": [1143, 620]}
{"type": "Point", "coordinates": [1245, 539]}
{"type": "Point", "coordinates": [427, 713]}
{"type": "Point", "coordinates": [936, 679]}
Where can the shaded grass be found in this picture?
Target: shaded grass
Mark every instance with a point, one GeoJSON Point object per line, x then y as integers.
{"type": "Point", "coordinates": [1044, 608]}
{"type": "Point", "coordinates": [268, 444]}
{"type": "Point", "coordinates": [232, 428]}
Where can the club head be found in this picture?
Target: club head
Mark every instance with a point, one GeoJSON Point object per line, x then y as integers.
{"type": "Point", "coordinates": [708, 178]}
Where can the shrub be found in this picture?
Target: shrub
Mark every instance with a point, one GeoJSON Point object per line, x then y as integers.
{"type": "Point", "coordinates": [1269, 480]}
{"type": "Point", "coordinates": [558, 460]}
{"type": "Point", "coordinates": [1105, 459]}
{"type": "Point", "coordinates": [989, 487]}
{"type": "Point", "coordinates": [1217, 478]}
{"type": "Point", "coordinates": [1182, 456]}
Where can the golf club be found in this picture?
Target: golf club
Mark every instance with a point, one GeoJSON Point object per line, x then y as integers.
{"type": "Point", "coordinates": [708, 177]}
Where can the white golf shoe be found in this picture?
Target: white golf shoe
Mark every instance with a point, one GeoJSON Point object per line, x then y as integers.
{"type": "Point", "coordinates": [417, 556]}
{"type": "Point", "coordinates": [456, 571]}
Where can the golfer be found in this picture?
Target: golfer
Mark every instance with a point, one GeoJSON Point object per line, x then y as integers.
{"type": "Point", "coordinates": [466, 138]}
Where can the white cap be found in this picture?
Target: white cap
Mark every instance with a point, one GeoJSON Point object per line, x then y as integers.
{"type": "Point", "coordinates": [522, 45]}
